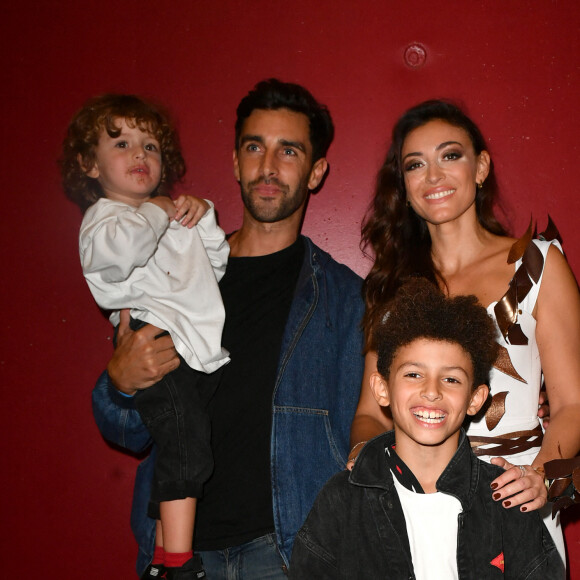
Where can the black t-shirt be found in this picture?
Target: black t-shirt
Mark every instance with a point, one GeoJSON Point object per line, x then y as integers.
{"type": "Point", "coordinates": [237, 502]}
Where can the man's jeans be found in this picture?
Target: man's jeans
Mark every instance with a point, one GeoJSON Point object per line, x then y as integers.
{"type": "Point", "coordinates": [255, 560]}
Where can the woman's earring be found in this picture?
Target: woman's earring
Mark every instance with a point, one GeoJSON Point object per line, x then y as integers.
{"type": "Point", "coordinates": [480, 186]}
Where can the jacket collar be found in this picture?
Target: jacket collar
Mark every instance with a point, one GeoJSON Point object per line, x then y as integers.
{"type": "Point", "coordinates": [314, 257]}
{"type": "Point", "coordinates": [459, 479]}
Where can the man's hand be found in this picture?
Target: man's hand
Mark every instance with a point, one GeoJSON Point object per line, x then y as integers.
{"type": "Point", "coordinates": [140, 360]}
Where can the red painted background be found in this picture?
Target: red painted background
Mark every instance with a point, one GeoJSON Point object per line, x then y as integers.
{"type": "Point", "coordinates": [65, 492]}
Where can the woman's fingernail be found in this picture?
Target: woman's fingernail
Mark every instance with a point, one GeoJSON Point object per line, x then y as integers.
{"type": "Point", "coordinates": [507, 503]}
{"type": "Point", "coordinates": [524, 509]}
{"type": "Point", "coordinates": [493, 486]}
{"type": "Point", "coordinates": [496, 495]}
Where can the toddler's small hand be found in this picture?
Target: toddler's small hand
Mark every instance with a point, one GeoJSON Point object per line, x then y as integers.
{"type": "Point", "coordinates": [166, 204]}
{"type": "Point", "coordinates": [190, 210]}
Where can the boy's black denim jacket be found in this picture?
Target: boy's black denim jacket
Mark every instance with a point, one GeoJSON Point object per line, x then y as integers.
{"type": "Point", "coordinates": [356, 528]}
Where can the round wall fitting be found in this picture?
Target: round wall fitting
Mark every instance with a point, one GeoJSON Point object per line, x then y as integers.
{"type": "Point", "coordinates": [415, 55]}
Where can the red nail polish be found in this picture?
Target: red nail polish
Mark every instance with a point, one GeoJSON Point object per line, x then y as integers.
{"type": "Point", "coordinates": [496, 495]}
{"type": "Point", "coordinates": [507, 503]}
{"type": "Point", "coordinates": [493, 486]}
{"type": "Point", "coordinates": [524, 509]}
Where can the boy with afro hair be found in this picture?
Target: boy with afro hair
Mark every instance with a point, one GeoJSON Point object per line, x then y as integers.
{"type": "Point", "coordinates": [418, 503]}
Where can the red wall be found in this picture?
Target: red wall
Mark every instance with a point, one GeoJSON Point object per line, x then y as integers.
{"type": "Point", "coordinates": [65, 492]}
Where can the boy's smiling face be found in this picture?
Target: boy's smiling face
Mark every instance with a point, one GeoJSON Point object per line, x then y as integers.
{"type": "Point", "coordinates": [429, 390]}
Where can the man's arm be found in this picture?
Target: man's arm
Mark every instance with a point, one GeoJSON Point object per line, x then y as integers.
{"type": "Point", "coordinates": [116, 417]}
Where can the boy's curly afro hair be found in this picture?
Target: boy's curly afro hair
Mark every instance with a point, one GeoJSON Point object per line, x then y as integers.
{"type": "Point", "coordinates": [421, 310]}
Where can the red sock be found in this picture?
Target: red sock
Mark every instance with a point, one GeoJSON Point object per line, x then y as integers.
{"type": "Point", "coordinates": [158, 555]}
{"type": "Point", "coordinates": [175, 560]}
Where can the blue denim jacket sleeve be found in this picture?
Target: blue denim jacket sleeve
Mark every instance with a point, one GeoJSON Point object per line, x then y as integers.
{"type": "Point", "coordinates": [116, 417]}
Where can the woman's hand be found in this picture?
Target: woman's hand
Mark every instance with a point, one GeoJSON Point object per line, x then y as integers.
{"type": "Point", "coordinates": [354, 454]}
{"type": "Point", "coordinates": [519, 485]}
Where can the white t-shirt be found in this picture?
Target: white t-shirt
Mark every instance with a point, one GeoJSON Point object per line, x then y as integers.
{"type": "Point", "coordinates": [431, 520]}
{"type": "Point", "coordinates": [166, 273]}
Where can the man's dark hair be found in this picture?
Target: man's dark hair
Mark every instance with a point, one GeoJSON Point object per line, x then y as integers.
{"type": "Point", "coordinates": [420, 310]}
{"type": "Point", "coordinates": [273, 94]}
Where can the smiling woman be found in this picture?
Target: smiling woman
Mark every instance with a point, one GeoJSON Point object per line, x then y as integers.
{"type": "Point", "coordinates": [440, 168]}
{"type": "Point", "coordinates": [432, 216]}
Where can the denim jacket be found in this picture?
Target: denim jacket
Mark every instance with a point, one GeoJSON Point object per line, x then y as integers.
{"type": "Point", "coordinates": [315, 397]}
{"type": "Point", "coordinates": [357, 529]}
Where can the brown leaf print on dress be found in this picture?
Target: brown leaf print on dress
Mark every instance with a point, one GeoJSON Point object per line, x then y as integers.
{"type": "Point", "coordinates": [507, 309]}
{"type": "Point", "coordinates": [504, 364]}
{"type": "Point", "coordinates": [496, 410]}
{"type": "Point", "coordinates": [529, 272]}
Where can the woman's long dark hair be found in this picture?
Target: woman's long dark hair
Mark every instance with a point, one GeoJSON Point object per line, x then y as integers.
{"type": "Point", "coordinates": [398, 237]}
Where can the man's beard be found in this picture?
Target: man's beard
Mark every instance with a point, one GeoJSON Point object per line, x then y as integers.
{"type": "Point", "coordinates": [277, 208]}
